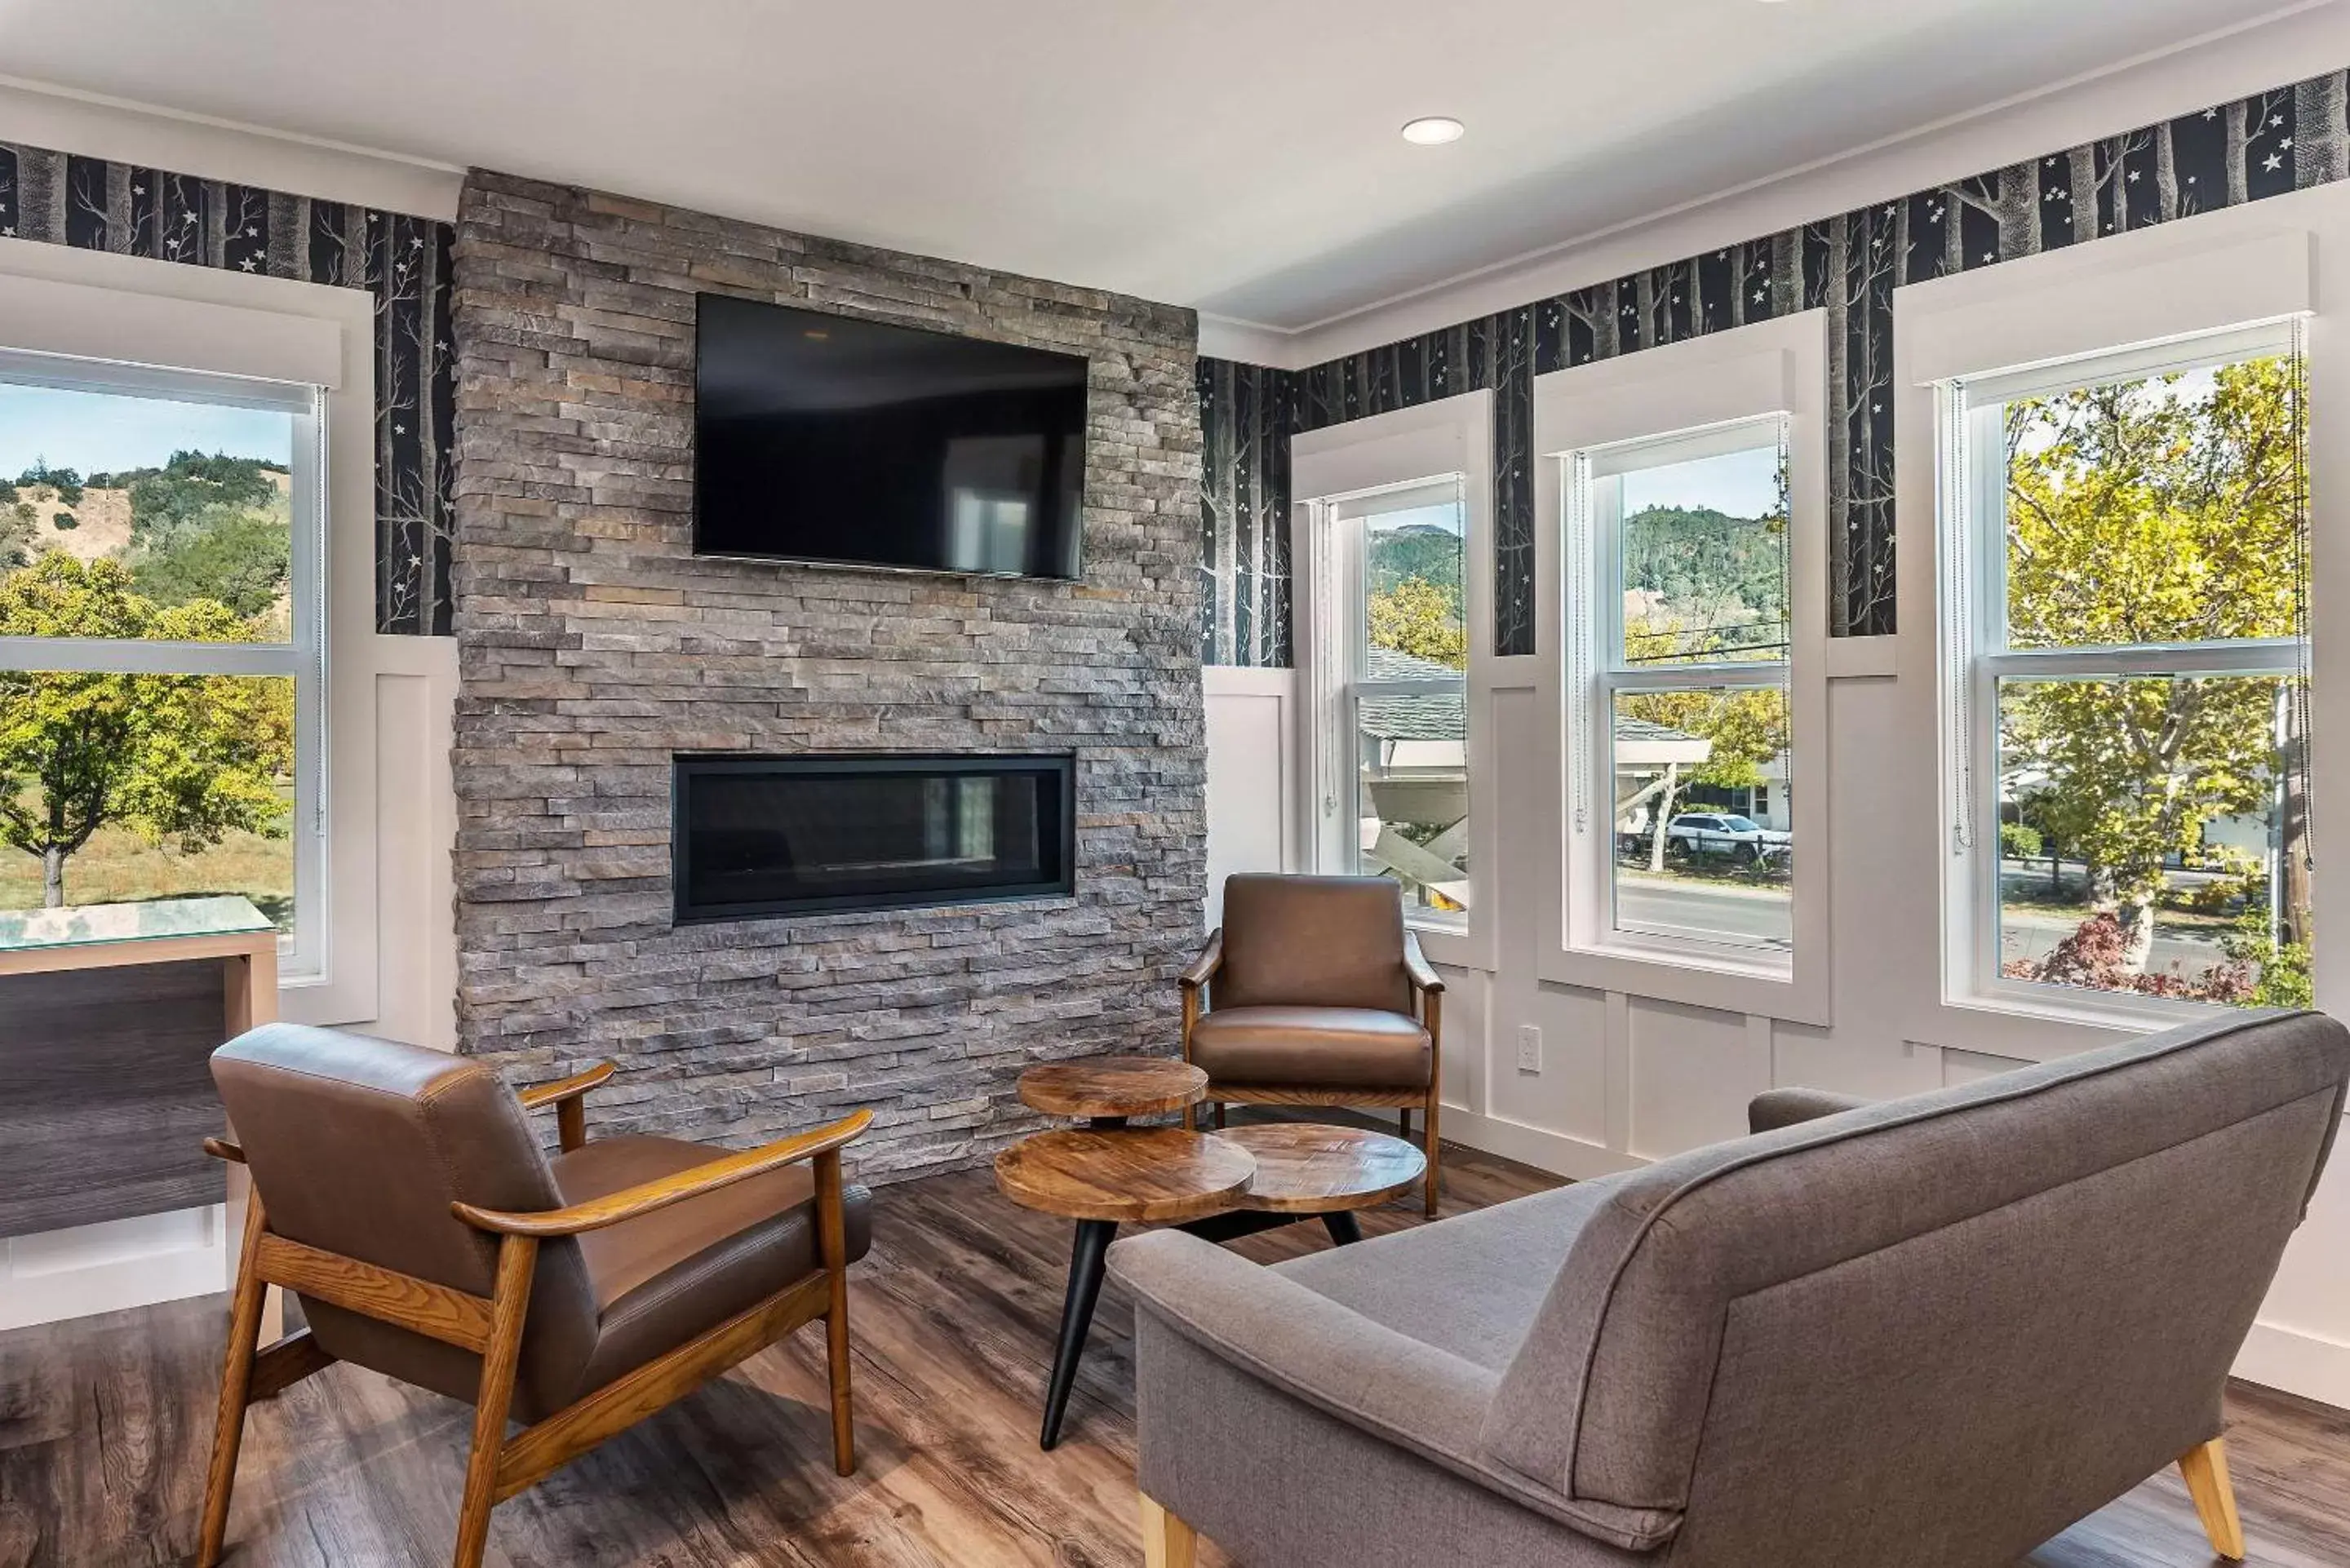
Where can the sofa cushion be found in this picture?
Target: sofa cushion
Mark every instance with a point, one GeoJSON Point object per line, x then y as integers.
{"type": "Point", "coordinates": [1470, 1286]}
{"type": "Point", "coordinates": [1325, 1047]}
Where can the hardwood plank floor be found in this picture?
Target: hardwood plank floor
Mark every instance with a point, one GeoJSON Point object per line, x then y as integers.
{"type": "Point", "coordinates": [104, 1424]}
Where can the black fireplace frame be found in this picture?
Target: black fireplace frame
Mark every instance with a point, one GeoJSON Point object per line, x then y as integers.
{"type": "Point", "coordinates": [685, 767]}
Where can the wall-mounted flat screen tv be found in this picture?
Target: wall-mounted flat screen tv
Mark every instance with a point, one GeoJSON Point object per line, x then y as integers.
{"type": "Point", "coordinates": [838, 441]}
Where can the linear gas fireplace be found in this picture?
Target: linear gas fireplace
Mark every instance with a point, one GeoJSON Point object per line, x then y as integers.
{"type": "Point", "coordinates": [786, 835]}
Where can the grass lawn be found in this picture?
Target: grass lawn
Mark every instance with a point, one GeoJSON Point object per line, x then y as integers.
{"type": "Point", "coordinates": [118, 866]}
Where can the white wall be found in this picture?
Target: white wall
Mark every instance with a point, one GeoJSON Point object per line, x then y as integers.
{"type": "Point", "coordinates": [1254, 787]}
{"type": "Point", "coordinates": [1627, 1078]}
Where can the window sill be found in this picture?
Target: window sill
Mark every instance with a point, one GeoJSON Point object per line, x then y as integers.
{"type": "Point", "coordinates": [1454, 947]}
{"type": "Point", "coordinates": [1760, 985]}
{"type": "Point", "coordinates": [2080, 1010]}
{"type": "Point", "coordinates": [1767, 967]}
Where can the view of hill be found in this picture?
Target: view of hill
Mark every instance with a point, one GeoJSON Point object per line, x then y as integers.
{"type": "Point", "coordinates": [1420, 550]}
{"type": "Point", "coordinates": [200, 527]}
{"type": "Point", "coordinates": [1711, 578]}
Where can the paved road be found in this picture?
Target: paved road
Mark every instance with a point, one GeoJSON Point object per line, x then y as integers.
{"type": "Point", "coordinates": [1761, 915]}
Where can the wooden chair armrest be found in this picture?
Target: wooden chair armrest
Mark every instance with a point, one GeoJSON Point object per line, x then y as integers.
{"type": "Point", "coordinates": [647, 1196]}
{"type": "Point", "coordinates": [562, 1089]}
{"type": "Point", "coordinates": [1203, 968]}
{"type": "Point", "coordinates": [1424, 978]}
{"type": "Point", "coordinates": [225, 1148]}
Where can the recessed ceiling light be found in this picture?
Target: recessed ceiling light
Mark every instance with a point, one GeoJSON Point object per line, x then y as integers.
{"type": "Point", "coordinates": [1432, 130]}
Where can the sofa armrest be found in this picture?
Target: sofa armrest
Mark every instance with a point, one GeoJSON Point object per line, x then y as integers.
{"type": "Point", "coordinates": [1396, 1388]}
{"type": "Point", "coordinates": [1776, 1109]}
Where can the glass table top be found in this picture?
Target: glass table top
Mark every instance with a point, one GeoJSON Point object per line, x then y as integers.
{"type": "Point", "coordinates": [89, 925]}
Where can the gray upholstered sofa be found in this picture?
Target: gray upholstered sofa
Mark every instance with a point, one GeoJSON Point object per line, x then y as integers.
{"type": "Point", "coordinates": [1931, 1333]}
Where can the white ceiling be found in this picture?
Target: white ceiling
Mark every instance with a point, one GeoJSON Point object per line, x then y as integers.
{"type": "Point", "coordinates": [1236, 155]}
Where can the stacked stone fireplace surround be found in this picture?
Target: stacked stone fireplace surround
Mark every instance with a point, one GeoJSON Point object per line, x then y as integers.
{"type": "Point", "coordinates": [594, 647]}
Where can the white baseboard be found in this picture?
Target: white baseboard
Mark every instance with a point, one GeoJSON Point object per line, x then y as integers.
{"type": "Point", "coordinates": [2298, 1362]}
{"type": "Point", "coordinates": [111, 1267]}
{"type": "Point", "coordinates": [1572, 1158]}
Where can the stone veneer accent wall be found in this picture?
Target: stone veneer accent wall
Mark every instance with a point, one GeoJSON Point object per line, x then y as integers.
{"type": "Point", "coordinates": [593, 645]}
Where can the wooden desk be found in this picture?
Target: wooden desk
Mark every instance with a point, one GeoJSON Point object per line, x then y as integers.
{"type": "Point", "coordinates": [110, 1084]}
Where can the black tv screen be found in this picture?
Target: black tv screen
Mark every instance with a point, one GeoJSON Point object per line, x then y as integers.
{"type": "Point", "coordinates": [829, 440]}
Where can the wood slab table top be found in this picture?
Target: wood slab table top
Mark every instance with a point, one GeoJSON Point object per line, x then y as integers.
{"type": "Point", "coordinates": [1112, 1087]}
{"type": "Point", "coordinates": [1150, 1174]}
{"type": "Point", "coordinates": [1307, 1168]}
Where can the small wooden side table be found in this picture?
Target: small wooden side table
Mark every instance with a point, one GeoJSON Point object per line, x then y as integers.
{"type": "Point", "coordinates": [1106, 1090]}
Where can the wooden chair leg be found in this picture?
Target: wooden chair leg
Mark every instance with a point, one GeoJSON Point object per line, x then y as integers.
{"type": "Point", "coordinates": [1433, 1146]}
{"type": "Point", "coordinates": [1167, 1540]}
{"type": "Point", "coordinates": [510, 1304]}
{"type": "Point", "coordinates": [1219, 1115]}
{"type": "Point", "coordinates": [832, 1238]}
{"type": "Point", "coordinates": [2206, 1469]}
{"type": "Point", "coordinates": [236, 1389]}
{"type": "Point", "coordinates": [1432, 1017]}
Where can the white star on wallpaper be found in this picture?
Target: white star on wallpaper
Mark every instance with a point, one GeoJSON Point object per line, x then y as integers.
{"type": "Point", "coordinates": [2272, 162]}
{"type": "Point", "coordinates": [248, 264]}
{"type": "Point", "coordinates": [2276, 119]}
{"type": "Point", "coordinates": [2210, 114]}
{"type": "Point", "coordinates": [1760, 295]}
{"type": "Point", "coordinates": [2134, 175]}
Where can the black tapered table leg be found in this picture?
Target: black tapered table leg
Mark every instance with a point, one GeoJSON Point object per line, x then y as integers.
{"type": "Point", "coordinates": [1344, 1227]}
{"type": "Point", "coordinates": [1093, 1237]}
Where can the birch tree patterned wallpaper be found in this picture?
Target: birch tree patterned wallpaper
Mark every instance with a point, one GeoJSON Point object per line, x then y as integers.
{"type": "Point", "coordinates": [2286, 140]}
{"type": "Point", "coordinates": [93, 204]}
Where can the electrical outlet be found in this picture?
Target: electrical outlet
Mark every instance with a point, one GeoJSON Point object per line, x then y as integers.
{"type": "Point", "coordinates": [1528, 1048]}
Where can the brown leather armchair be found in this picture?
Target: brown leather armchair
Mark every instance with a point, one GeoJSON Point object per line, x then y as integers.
{"type": "Point", "coordinates": [402, 1196]}
{"type": "Point", "coordinates": [1316, 994]}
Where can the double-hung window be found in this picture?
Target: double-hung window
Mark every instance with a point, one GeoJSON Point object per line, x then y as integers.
{"type": "Point", "coordinates": [1680, 731]}
{"type": "Point", "coordinates": [1685, 493]}
{"type": "Point", "coordinates": [161, 641]}
{"type": "Point", "coordinates": [1402, 561]}
{"type": "Point", "coordinates": [2125, 623]}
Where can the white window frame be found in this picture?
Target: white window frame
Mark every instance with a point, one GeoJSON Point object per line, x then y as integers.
{"type": "Point", "coordinates": [1972, 518]}
{"type": "Point", "coordinates": [2148, 290]}
{"type": "Point", "coordinates": [1393, 452]}
{"type": "Point", "coordinates": [1699, 397]}
{"type": "Point", "coordinates": [1597, 673]}
{"type": "Point", "coordinates": [302, 658]}
{"type": "Point", "coordinates": [148, 323]}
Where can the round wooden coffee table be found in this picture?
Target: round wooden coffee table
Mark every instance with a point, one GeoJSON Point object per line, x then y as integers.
{"type": "Point", "coordinates": [1099, 1177]}
{"type": "Point", "coordinates": [1154, 1174]}
{"type": "Point", "coordinates": [1106, 1090]}
{"type": "Point", "coordinates": [1305, 1169]}
{"type": "Point", "coordinates": [1217, 1185]}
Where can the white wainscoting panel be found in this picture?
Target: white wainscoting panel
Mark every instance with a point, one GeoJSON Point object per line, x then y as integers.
{"type": "Point", "coordinates": [1252, 775]}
